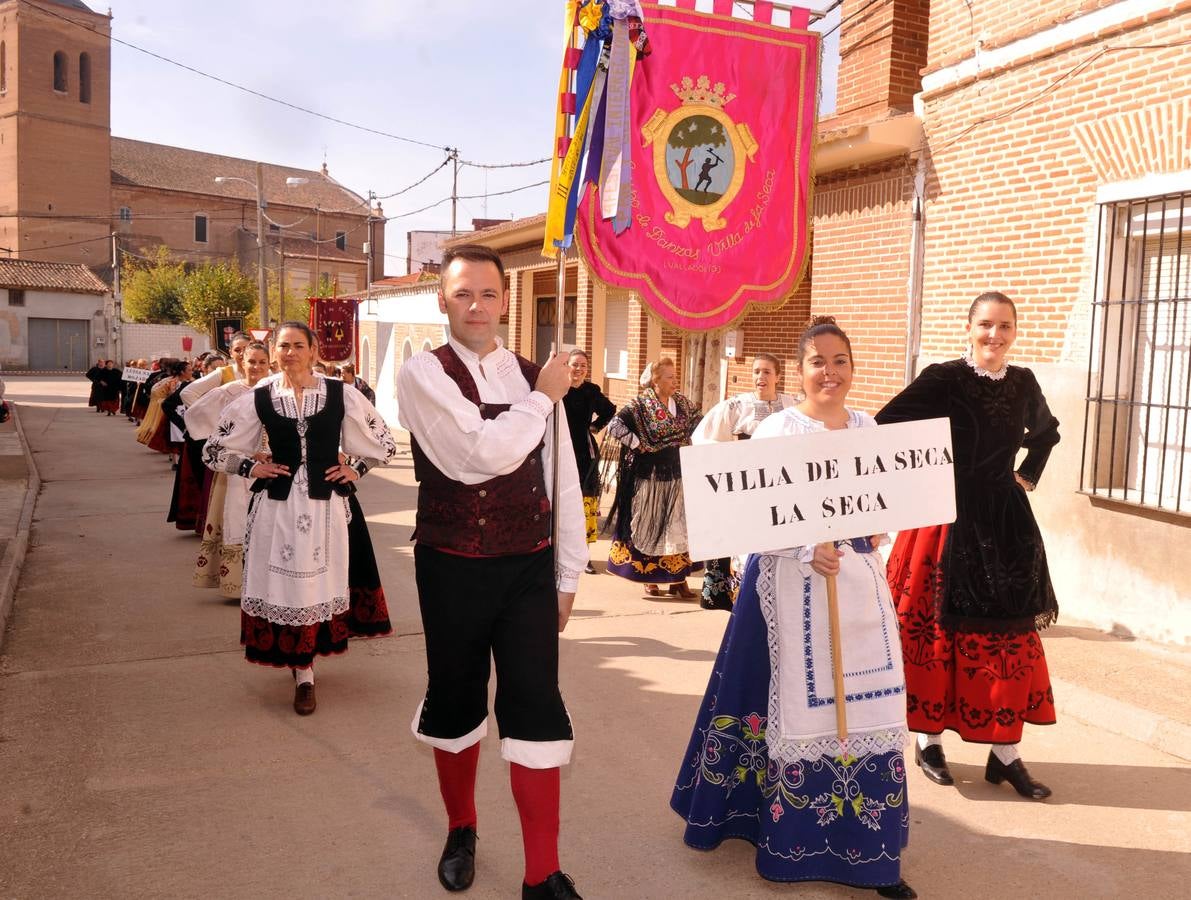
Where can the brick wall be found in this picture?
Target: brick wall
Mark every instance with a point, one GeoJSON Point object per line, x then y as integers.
{"type": "Point", "coordinates": [860, 271]}
{"type": "Point", "coordinates": [883, 47]}
{"type": "Point", "coordinates": [1011, 202]}
{"type": "Point", "coordinates": [63, 144]}
{"type": "Point", "coordinates": [957, 25]}
{"type": "Point", "coordinates": [775, 331]}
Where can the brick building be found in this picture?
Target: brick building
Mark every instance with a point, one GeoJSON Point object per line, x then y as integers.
{"type": "Point", "coordinates": [67, 185]}
{"type": "Point", "coordinates": [1041, 149]}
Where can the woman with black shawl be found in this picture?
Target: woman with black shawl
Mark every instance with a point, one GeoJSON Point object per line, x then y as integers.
{"type": "Point", "coordinates": [648, 516]}
{"type": "Point", "coordinates": [972, 596]}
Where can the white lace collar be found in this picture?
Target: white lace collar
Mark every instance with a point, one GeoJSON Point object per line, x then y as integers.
{"type": "Point", "coordinates": [986, 373]}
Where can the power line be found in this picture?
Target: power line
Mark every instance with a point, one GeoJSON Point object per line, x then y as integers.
{"type": "Point", "coordinates": [514, 165]}
{"type": "Point", "coordinates": [469, 197]}
{"type": "Point", "coordinates": [442, 165]}
{"type": "Point", "coordinates": [844, 20]}
{"type": "Point", "coordinates": [286, 103]}
{"type": "Point", "coordinates": [240, 87]}
{"type": "Point", "coordinates": [1050, 88]}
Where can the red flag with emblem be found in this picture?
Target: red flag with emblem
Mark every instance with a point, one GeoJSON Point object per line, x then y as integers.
{"type": "Point", "coordinates": [721, 130]}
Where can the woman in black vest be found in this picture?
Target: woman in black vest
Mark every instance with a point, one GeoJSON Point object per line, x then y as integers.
{"type": "Point", "coordinates": [588, 411]}
{"type": "Point", "coordinates": [295, 602]}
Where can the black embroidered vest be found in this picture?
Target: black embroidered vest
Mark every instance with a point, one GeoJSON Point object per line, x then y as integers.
{"type": "Point", "coordinates": [506, 515]}
{"type": "Point", "coordinates": [322, 444]}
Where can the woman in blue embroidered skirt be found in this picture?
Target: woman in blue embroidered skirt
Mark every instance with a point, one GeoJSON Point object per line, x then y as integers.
{"type": "Point", "coordinates": [764, 763]}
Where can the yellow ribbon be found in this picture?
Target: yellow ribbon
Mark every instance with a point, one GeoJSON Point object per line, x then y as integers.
{"type": "Point", "coordinates": [560, 130]}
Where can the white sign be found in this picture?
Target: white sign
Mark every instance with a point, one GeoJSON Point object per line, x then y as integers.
{"type": "Point", "coordinates": [769, 494]}
{"type": "Point", "coordinates": [135, 375]}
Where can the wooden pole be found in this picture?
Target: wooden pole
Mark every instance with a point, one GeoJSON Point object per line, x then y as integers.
{"type": "Point", "coordinates": [837, 660]}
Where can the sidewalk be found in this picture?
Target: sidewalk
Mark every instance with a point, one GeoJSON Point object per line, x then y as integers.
{"type": "Point", "coordinates": [141, 757]}
{"type": "Point", "coordinates": [19, 486]}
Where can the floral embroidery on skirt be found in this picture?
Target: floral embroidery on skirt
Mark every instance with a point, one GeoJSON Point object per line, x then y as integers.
{"type": "Point", "coordinates": [833, 818]}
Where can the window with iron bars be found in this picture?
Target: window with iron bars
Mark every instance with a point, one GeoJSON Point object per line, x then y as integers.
{"type": "Point", "coordinates": [1136, 429]}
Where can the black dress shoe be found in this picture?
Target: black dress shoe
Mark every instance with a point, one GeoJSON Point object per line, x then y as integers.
{"type": "Point", "coordinates": [557, 887]}
{"type": "Point", "coordinates": [899, 891]}
{"type": "Point", "coordinates": [933, 764]}
{"type": "Point", "coordinates": [1015, 773]}
{"type": "Point", "coordinates": [590, 569]}
{"type": "Point", "coordinates": [457, 865]}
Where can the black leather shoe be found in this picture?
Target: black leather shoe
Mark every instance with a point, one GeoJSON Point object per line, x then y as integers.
{"type": "Point", "coordinates": [1015, 773]}
{"type": "Point", "coordinates": [557, 887]}
{"type": "Point", "coordinates": [457, 865]}
{"type": "Point", "coordinates": [933, 764]}
{"type": "Point", "coordinates": [899, 891]}
{"type": "Point", "coordinates": [590, 569]}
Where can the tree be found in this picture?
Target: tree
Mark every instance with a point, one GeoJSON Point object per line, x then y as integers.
{"type": "Point", "coordinates": [692, 132]}
{"type": "Point", "coordinates": [214, 288]}
{"type": "Point", "coordinates": [297, 304]}
{"type": "Point", "coordinates": [153, 290]}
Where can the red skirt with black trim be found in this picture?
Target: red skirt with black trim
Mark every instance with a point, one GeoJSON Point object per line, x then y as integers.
{"type": "Point", "coordinates": [295, 646]}
{"type": "Point", "coordinates": [983, 685]}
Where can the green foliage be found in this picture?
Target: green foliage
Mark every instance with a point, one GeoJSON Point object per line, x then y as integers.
{"type": "Point", "coordinates": [297, 306]}
{"type": "Point", "coordinates": [696, 131]}
{"type": "Point", "coordinates": [153, 290]}
{"type": "Point", "coordinates": [213, 288]}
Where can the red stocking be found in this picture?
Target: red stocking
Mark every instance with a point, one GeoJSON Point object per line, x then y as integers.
{"type": "Point", "coordinates": [457, 782]}
{"type": "Point", "coordinates": [536, 793]}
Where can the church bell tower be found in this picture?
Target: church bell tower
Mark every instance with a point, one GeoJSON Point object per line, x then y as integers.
{"type": "Point", "coordinates": [55, 131]}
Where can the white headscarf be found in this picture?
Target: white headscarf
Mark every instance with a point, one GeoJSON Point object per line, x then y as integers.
{"type": "Point", "coordinates": [646, 378]}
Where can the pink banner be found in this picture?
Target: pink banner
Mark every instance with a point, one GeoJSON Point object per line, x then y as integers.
{"type": "Point", "coordinates": [722, 131]}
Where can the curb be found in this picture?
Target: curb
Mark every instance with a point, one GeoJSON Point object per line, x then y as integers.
{"type": "Point", "coordinates": [14, 557]}
{"type": "Point", "coordinates": [1116, 717]}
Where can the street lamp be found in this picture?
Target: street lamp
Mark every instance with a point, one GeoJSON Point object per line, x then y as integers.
{"type": "Point", "coordinates": [262, 284]}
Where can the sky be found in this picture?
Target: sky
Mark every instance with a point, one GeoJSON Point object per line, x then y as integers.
{"type": "Point", "coordinates": [476, 75]}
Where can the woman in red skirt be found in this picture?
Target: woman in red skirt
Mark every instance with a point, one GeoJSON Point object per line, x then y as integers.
{"type": "Point", "coordinates": [972, 596]}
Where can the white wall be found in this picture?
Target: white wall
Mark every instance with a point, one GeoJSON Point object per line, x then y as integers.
{"type": "Point", "coordinates": [140, 341]}
{"type": "Point", "coordinates": [14, 322]}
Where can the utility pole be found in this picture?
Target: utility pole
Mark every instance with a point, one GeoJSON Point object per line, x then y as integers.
{"type": "Point", "coordinates": [368, 251]}
{"type": "Point", "coordinates": [114, 328]}
{"type": "Point", "coordinates": [262, 282]}
{"type": "Point", "coordinates": [318, 278]}
{"type": "Point", "coordinates": [455, 193]}
{"type": "Point", "coordinates": [281, 275]}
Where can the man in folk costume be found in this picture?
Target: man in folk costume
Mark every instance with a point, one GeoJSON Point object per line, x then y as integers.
{"type": "Point", "coordinates": [489, 580]}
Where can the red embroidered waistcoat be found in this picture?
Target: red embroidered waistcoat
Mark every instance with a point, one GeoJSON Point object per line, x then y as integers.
{"type": "Point", "coordinates": [505, 515]}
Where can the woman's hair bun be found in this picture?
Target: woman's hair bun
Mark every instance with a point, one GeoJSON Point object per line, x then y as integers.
{"type": "Point", "coordinates": [820, 320]}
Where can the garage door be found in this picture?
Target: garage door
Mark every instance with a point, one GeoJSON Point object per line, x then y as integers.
{"type": "Point", "coordinates": [59, 344]}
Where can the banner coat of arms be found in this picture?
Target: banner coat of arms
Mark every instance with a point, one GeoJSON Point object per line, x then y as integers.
{"type": "Point", "coordinates": [722, 130]}
{"type": "Point", "coordinates": [333, 321]}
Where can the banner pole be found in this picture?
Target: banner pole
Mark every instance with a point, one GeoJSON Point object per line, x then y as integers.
{"type": "Point", "coordinates": [559, 313]}
{"type": "Point", "coordinates": [837, 660]}
{"type": "Point", "coordinates": [559, 410]}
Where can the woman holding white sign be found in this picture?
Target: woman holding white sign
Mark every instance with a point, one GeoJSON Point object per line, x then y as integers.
{"type": "Point", "coordinates": [735, 419]}
{"type": "Point", "coordinates": [765, 762]}
{"type": "Point", "coordinates": [648, 516]}
{"type": "Point", "coordinates": [972, 596]}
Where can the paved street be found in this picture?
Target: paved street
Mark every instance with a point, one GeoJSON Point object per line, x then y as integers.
{"type": "Point", "coordinates": [140, 756]}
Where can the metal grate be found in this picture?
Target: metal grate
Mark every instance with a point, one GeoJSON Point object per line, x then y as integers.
{"type": "Point", "coordinates": [1139, 371]}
